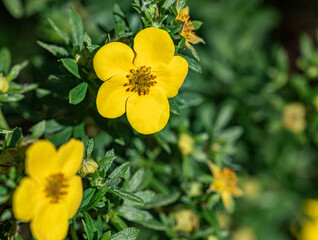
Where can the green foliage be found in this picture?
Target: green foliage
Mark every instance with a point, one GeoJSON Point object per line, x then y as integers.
{"type": "Point", "coordinates": [231, 106]}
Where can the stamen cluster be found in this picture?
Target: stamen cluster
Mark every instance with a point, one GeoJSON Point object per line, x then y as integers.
{"type": "Point", "coordinates": [140, 80]}
{"type": "Point", "coordinates": [187, 30]}
{"type": "Point", "coordinates": [55, 187]}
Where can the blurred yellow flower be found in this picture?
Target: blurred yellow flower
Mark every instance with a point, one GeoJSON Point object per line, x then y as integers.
{"type": "Point", "coordinates": [294, 117]}
{"type": "Point", "coordinates": [309, 230]}
{"type": "Point", "coordinates": [186, 221]}
{"type": "Point", "coordinates": [4, 84]}
{"type": "Point", "coordinates": [188, 28]}
{"type": "Point", "coordinates": [185, 144]}
{"type": "Point", "coordinates": [140, 81]}
{"type": "Point", "coordinates": [225, 183]}
{"type": "Point", "coordinates": [244, 233]}
{"type": "Point", "coordinates": [51, 193]}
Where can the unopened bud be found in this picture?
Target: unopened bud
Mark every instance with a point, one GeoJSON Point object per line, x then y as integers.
{"type": "Point", "coordinates": [185, 144]}
{"type": "Point", "coordinates": [88, 166]}
{"type": "Point", "coordinates": [4, 84]}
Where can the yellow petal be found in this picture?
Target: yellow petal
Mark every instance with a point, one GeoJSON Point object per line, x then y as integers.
{"type": "Point", "coordinates": [148, 114]}
{"type": "Point", "coordinates": [40, 160]}
{"type": "Point", "coordinates": [226, 198]}
{"type": "Point", "coordinates": [73, 198]}
{"type": "Point", "coordinates": [189, 46]}
{"type": "Point", "coordinates": [25, 199]}
{"type": "Point", "coordinates": [214, 169]}
{"type": "Point", "coordinates": [185, 11]}
{"type": "Point", "coordinates": [51, 222]}
{"type": "Point", "coordinates": [154, 48]}
{"type": "Point", "coordinates": [172, 78]}
{"type": "Point", "coordinates": [70, 157]}
{"type": "Point", "coordinates": [195, 39]}
{"type": "Point", "coordinates": [112, 96]}
{"type": "Point", "coordinates": [113, 59]}
{"type": "Point", "coordinates": [237, 192]}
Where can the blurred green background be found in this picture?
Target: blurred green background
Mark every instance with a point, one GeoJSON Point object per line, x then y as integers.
{"type": "Point", "coordinates": [259, 57]}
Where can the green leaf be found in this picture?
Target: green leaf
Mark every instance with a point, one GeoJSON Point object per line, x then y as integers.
{"type": "Point", "coordinates": [223, 118]}
{"type": "Point", "coordinates": [5, 60]}
{"type": "Point", "coordinates": [134, 183]}
{"type": "Point", "coordinates": [61, 137]}
{"type": "Point", "coordinates": [167, 4]}
{"type": "Point", "coordinates": [59, 32]}
{"type": "Point", "coordinates": [55, 50]}
{"type": "Point", "coordinates": [134, 214]}
{"type": "Point", "coordinates": [71, 66]}
{"type": "Point", "coordinates": [14, 138]}
{"type": "Point", "coordinates": [211, 219]}
{"type": "Point", "coordinates": [77, 28]}
{"type": "Point", "coordinates": [89, 226]}
{"type": "Point", "coordinates": [119, 16]}
{"type": "Point", "coordinates": [38, 129]}
{"type": "Point", "coordinates": [162, 200]}
{"type": "Point", "coordinates": [107, 161]}
{"type": "Point", "coordinates": [78, 93]}
{"type": "Point", "coordinates": [106, 236]}
{"type": "Point", "coordinates": [231, 134]}
{"type": "Point", "coordinates": [15, 70]}
{"type": "Point", "coordinates": [174, 108]}
{"type": "Point", "coordinates": [87, 196]}
{"type": "Point", "coordinates": [193, 65]}
{"type": "Point", "coordinates": [89, 148]}
{"type": "Point", "coordinates": [96, 198]}
{"type": "Point", "coordinates": [14, 7]}
{"type": "Point", "coordinates": [11, 97]}
{"type": "Point", "coordinates": [128, 197]}
{"type": "Point", "coordinates": [87, 40]}
{"type": "Point", "coordinates": [120, 171]}
{"type": "Point", "coordinates": [126, 234]}
{"type": "Point", "coordinates": [197, 24]}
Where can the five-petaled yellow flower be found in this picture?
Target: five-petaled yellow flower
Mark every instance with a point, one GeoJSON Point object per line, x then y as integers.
{"type": "Point", "coordinates": [225, 183]}
{"type": "Point", "coordinates": [309, 224]}
{"type": "Point", "coordinates": [188, 28]}
{"type": "Point", "coordinates": [51, 193]}
{"type": "Point", "coordinates": [140, 81]}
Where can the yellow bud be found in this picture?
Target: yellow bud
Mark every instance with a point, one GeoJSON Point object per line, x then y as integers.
{"type": "Point", "coordinates": [244, 233]}
{"type": "Point", "coordinates": [4, 84]}
{"type": "Point", "coordinates": [88, 166]}
{"type": "Point", "coordinates": [185, 144]}
{"type": "Point", "coordinates": [294, 117]}
{"type": "Point", "coordinates": [186, 221]}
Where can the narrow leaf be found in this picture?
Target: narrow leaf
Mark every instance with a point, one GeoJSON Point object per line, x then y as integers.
{"type": "Point", "coordinates": [15, 70]}
{"type": "Point", "coordinates": [5, 60]}
{"type": "Point", "coordinates": [59, 32]}
{"type": "Point", "coordinates": [77, 28]}
{"type": "Point", "coordinates": [55, 50]}
{"type": "Point", "coordinates": [126, 234]}
{"type": "Point", "coordinates": [129, 197]}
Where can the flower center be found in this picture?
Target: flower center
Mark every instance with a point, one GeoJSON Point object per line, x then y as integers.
{"type": "Point", "coordinates": [227, 180]}
{"type": "Point", "coordinates": [56, 187]}
{"type": "Point", "coordinates": [140, 80]}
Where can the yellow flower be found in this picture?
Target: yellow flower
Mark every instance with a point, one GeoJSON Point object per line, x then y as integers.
{"type": "Point", "coordinates": [4, 84]}
{"type": "Point", "coordinates": [51, 193]}
{"type": "Point", "coordinates": [185, 144]}
{"type": "Point", "coordinates": [294, 117]}
{"type": "Point", "coordinates": [225, 183]}
{"type": "Point", "coordinates": [309, 229]}
{"type": "Point", "coordinates": [244, 233]}
{"type": "Point", "coordinates": [186, 221]}
{"type": "Point", "coordinates": [140, 81]}
{"type": "Point", "coordinates": [188, 28]}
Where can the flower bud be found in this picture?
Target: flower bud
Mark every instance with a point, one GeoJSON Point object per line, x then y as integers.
{"type": "Point", "coordinates": [186, 221]}
{"type": "Point", "coordinates": [185, 144]}
{"type": "Point", "coordinates": [88, 166]}
{"type": "Point", "coordinates": [4, 84]}
{"type": "Point", "coordinates": [294, 117]}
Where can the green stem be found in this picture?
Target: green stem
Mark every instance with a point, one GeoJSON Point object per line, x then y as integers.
{"type": "Point", "coordinates": [73, 232]}
{"type": "Point", "coordinates": [3, 122]}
